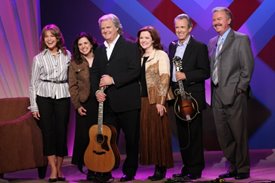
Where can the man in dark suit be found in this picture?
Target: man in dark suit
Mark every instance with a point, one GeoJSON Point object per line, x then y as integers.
{"type": "Point", "coordinates": [195, 70]}
{"type": "Point", "coordinates": [117, 68]}
{"type": "Point", "coordinates": [232, 65]}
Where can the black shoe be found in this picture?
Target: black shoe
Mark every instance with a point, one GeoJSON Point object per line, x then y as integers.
{"type": "Point", "coordinates": [155, 177]}
{"type": "Point", "coordinates": [240, 176]}
{"type": "Point", "coordinates": [104, 177]}
{"type": "Point", "coordinates": [126, 178]}
{"type": "Point", "coordinates": [91, 176]}
{"type": "Point", "coordinates": [228, 175]}
{"type": "Point", "coordinates": [52, 180]}
{"type": "Point", "coordinates": [179, 175]}
{"type": "Point", "coordinates": [159, 174]}
{"type": "Point", "coordinates": [178, 179]}
{"type": "Point", "coordinates": [171, 180]}
{"type": "Point", "coordinates": [193, 176]}
{"type": "Point", "coordinates": [61, 178]}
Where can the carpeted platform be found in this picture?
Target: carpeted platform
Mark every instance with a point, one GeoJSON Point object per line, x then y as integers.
{"type": "Point", "coordinates": [262, 170]}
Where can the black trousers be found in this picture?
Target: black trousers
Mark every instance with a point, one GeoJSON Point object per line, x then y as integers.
{"type": "Point", "coordinates": [191, 145]}
{"type": "Point", "coordinates": [190, 137]}
{"type": "Point", "coordinates": [54, 118]}
{"type": "Point", "coordinates": [82, 126]}
{"type": "Point", "coordinates": [128, 122]}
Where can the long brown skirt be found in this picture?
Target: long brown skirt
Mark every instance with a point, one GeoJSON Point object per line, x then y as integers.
{"type": "Point", "coordinates": [155, 136]}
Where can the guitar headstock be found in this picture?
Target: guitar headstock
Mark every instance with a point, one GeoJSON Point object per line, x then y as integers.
{"type": "Point", "coordinates": [178, 63]}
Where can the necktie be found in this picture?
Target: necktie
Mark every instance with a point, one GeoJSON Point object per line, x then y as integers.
{"type": "Point", "coordinates": [215, 78]}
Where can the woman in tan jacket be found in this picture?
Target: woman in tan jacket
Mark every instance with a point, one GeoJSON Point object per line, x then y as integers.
{"type": "Point", "coordinates": [82, 99]}
{"type": "Point", "coordinates": [155, 132]}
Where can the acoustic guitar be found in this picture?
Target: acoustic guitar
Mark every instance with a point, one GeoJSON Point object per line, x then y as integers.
{"type": "Point", "coordinates": [185, 107]}
{"type": "Point", "coordinates": [102, 153]}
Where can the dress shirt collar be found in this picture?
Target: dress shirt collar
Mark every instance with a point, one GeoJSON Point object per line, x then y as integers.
{"type": "Point", "coordinates": [224, 36]}
{"type": "Point", "coordinates": [112, 44]}
{"type": "Point", "coordinates": [47, 51]}
{"type": "Point", "coordinates": [186, 41]}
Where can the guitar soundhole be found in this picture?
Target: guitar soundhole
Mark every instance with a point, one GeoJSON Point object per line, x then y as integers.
{"type": "Point", "coordinates": [100, 138]}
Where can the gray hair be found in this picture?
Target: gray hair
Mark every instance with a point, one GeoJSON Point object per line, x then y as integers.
{"type": "Point", "coordinates": [226, 10]}
{"type": "Point", "coordinates": [184, 16]}
{"type": "Point", "coordinates": [114, 19]}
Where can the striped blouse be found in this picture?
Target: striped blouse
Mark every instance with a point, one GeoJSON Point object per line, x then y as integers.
{"type": "Point", "coordinates": [47, 67]}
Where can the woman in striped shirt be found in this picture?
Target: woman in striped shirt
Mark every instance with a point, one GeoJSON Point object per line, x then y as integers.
{"type": "Point", "coordinates": [50, 97]}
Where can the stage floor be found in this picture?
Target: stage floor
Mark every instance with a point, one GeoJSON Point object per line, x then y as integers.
{"type": "Point", "coordinates": [262, 170]}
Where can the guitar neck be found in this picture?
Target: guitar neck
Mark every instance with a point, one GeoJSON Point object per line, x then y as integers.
{"type": "Point", "coordinates": [100, 115]}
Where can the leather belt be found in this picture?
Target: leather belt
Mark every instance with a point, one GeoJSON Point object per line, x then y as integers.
{"type": "Point", "coordinates": [56, 82]}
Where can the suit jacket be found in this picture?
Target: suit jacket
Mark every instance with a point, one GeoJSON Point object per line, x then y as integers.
{"type": "Point", "coordinates": [124, 67]}
{"type": "Point", "coordinates": [235, 67]}
{"type": "Point", "coordinates": [195, 64]}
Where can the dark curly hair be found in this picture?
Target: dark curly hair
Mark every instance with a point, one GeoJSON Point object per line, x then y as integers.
{"type": "Point", "coordinates": [76, 55]}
